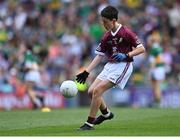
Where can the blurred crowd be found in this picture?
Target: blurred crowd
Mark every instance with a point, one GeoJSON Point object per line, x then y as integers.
{"type": "Point", "coordinates": [58, 38]}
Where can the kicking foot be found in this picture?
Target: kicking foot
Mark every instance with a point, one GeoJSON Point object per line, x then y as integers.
{"type": "Point", "coordinates": [86, 126]}
{"type": "Point", "coordinates": [101, 118]}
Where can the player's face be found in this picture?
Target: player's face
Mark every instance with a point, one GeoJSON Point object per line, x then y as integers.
{"type": "Point", "coordinates": [108, 24]}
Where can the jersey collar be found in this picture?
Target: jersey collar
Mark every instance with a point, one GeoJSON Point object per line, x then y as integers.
{"type": "Point", "coordinates": [114, 33]}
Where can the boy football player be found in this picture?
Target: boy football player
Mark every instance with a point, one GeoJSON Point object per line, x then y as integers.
{"type": "Point", "coordinates": [119, 44]}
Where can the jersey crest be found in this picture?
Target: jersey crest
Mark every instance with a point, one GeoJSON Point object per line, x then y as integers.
{"type": "Point", "coordinates": [120, 40]}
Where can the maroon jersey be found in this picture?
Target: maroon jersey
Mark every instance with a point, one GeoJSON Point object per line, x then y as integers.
{"type": "Point", "coordinates": [121, 41]}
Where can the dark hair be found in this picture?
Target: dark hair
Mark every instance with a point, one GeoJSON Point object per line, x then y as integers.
{"type": "Point", "coordinates": [110, 13]}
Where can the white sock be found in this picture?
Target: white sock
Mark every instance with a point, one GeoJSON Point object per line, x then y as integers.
{"type": "Point", "coordinates": [107, 115]}
{"type": "Point", "coordinates": [89, 124]}
{"type": "Point", "coordinates": [37, 102]}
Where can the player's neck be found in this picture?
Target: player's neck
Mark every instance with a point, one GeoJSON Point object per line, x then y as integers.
{"type": "Point", "coordinates": [115, 27]}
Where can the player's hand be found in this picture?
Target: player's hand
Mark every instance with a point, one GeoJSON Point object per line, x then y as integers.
{"type": "Point", "coordinates": [119, 57]}
{"type": "Point", "coordinates": [81, 77]}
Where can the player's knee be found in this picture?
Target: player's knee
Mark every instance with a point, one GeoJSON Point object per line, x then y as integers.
{"type": "Point", "coordinates": [96, 92]}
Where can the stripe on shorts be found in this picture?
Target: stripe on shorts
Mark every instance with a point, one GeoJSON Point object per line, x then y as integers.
{"type": "Point", "coordinates": [123, 73]}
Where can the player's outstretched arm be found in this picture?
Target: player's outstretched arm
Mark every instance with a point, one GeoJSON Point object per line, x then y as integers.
{"type": "Point", "coordinates": [94, 63]}
{"type": "Point", "coordinates": [81, 77]}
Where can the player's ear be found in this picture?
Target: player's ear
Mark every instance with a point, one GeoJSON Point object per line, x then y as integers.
{"type": "Point", "coordinates": [114, 22]}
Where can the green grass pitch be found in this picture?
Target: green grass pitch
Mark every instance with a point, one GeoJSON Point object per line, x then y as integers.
{"type": "Point", "coordinates": [64, 122]}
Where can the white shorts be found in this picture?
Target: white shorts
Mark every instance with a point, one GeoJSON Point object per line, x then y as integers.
{"type": "Point", "coordinates": [117, 73]}
{"type": "Point", "coordinates": [33, 76]}
{"type": "Point", "coordinates": [158, 73]}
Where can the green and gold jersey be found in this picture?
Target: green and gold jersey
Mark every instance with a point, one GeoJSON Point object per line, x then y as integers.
{"type": "Point", "coordinates": [156, 55]}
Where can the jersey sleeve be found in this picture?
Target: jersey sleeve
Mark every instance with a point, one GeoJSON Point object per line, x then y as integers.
{"type": "Point", "coordinates": [100, 50]}
{"type": "Point", "coordinates": [133, 39]}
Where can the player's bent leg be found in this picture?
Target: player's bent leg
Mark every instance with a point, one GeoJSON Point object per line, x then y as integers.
{"type": "Point", "coordinates": [88, 126]}
{"type": "Point", "coordinates": [90, 92]}
{"type": "Point", "coordinates": [106, 114]}
{"type": "Point", "coordinates": [96, 102]}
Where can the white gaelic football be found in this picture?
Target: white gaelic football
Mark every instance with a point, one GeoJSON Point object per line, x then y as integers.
{"type": "Point", "coordinates": [68, 89]}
